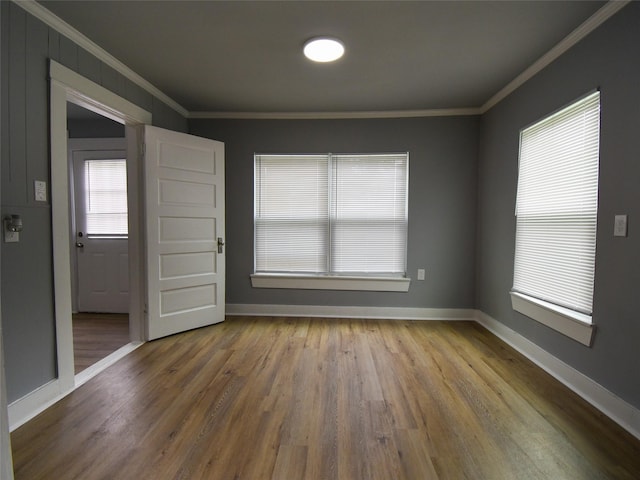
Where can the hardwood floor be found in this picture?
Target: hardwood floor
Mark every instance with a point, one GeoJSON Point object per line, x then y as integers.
{"type": "Point", "coordinates": [276, 398]}
{"type": "Point", "coordinates": [96, 335]}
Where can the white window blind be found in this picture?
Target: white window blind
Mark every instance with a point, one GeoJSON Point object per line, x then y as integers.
{"type": "Point", "coordinates": [291, 215]}
{"type": "Point", "coordinates": [556, 208]}
{"type": "Point", "coordinates": [106, 197]}
{"type": "Point", "coordinates": [331, 214]}
{"type": "Point", "coordinates": [369, 213]}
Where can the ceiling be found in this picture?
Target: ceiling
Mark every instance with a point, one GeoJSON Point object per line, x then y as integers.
{"type": "Point", "coordinates": [246, 56]}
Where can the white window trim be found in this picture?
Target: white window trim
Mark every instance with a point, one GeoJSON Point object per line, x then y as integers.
{"type": "Point", "coordinates": [330, 282]}
{"type": "Point", "coordinates": [575, 325]}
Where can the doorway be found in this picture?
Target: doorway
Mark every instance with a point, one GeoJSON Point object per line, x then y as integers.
{"type": "Point", "coordinates": [67, 87]}
{"type": "Point", "coordinates": [99, 235]}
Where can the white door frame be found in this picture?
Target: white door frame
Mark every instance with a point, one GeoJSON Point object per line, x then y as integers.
{"type": "Point", "coordinates": [67, 85]}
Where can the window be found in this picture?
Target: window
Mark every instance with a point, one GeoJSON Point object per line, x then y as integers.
{"type": "Point", "coordinates": [106, 197]}
{"type": "Point", "coordinates": [331, 215]}
{"type": "Point", "coordinates": [556, 210]}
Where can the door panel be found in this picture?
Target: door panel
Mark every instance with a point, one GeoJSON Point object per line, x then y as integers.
{"type": "Point", "coordinates": [102, 263]}
{"type": "Point", "coordinates": [184, 180]}
{"type": "Point", "coordinates": [180, 265]}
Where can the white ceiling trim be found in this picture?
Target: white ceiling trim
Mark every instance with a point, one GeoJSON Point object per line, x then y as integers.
{"type": "Point", "coordinates": [603, 14]}
{"type": "Point", "coordinates": [444, 112]}
{"type": "Point", "coordinates": [81, 40]}
{"type": "Point", "coordinates": [589, 25]}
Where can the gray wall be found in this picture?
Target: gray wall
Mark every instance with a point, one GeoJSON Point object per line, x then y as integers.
{"type": "Point", "coordinates": [608, 58]}
{"type": "Point", "coordinates": [100, 128]}
{"type": "Point", "coordinates": [26, 273]}
{"type": "Point", "coordinates": [442, 194]}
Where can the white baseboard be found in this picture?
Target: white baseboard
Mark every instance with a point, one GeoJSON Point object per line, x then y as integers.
{"type": "Point", "coordinates": [621, 412]}
{"type": "Point", "coordinates": [36, 402]}
{"type": "Point", "coordinates": [331, 311]}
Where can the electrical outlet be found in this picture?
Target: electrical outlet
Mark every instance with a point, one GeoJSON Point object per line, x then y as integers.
{"type": "Point", "coordinates": [421, 274]}
{"type": "Point", "coordinates": [620, 226]}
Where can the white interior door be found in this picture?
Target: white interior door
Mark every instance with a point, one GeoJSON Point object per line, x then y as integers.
{"type": "Point", "coordinates": [184, 182]}
{"type": "Point", "coordinates": [101, 235]}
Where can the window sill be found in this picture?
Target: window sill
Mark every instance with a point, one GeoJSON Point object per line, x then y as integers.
{"type": "Point", "coordinates": [317, 282]}
{"type": "Point", "coordinates": [574, 325]}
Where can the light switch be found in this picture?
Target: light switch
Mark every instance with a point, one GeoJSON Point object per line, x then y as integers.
{"type": "Point", "coordinates": [620, 226]}
{"type": "Point", "coordinates": [41, 191]}
{"type": "Point", "coordinates": [421, 274]}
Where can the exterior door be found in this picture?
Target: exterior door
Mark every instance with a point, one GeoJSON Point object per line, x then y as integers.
{"type": "Point", "coordinates": [184, 191]}
{"type": "Point", "coordinates": [101, 242]}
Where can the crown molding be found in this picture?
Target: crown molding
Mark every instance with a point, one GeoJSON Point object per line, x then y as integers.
{"type": "Point", "coordinates": [588, 26]}
{"type": "Point", "coordinates": [62, 27]}
{"type": "Point", "coordinates": [444, 112]}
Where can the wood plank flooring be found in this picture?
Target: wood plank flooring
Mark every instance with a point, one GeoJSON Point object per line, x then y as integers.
{"type": "Point", "coordinates": [278, 398]}
{"type": "Point", "coordinates": [96, 335]}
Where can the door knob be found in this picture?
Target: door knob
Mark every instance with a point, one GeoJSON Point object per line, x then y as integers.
{"type": "Point", "coordinates": [220, 244]}
{"type": "Point", "coordinates": [79, 244]}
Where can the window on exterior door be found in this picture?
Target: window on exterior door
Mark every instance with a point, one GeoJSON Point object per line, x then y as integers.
{"type": "Point", "coordinates": [556, 216]}
{"type": "Point", "coordinates": [106, 197]}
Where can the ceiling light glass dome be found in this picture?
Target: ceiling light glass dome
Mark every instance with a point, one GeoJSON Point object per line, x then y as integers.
{"type": "Point", "coordinates": [323, 49]}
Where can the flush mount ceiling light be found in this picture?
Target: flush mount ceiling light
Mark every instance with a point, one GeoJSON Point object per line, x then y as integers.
{"type": "Point", "coordinates": [323, 49]}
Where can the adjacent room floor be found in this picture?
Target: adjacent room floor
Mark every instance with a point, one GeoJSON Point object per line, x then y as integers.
{"type": "Point", "coordinates": [96, 335]}
{"type": "Point", "coordinates": [296, 398]}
